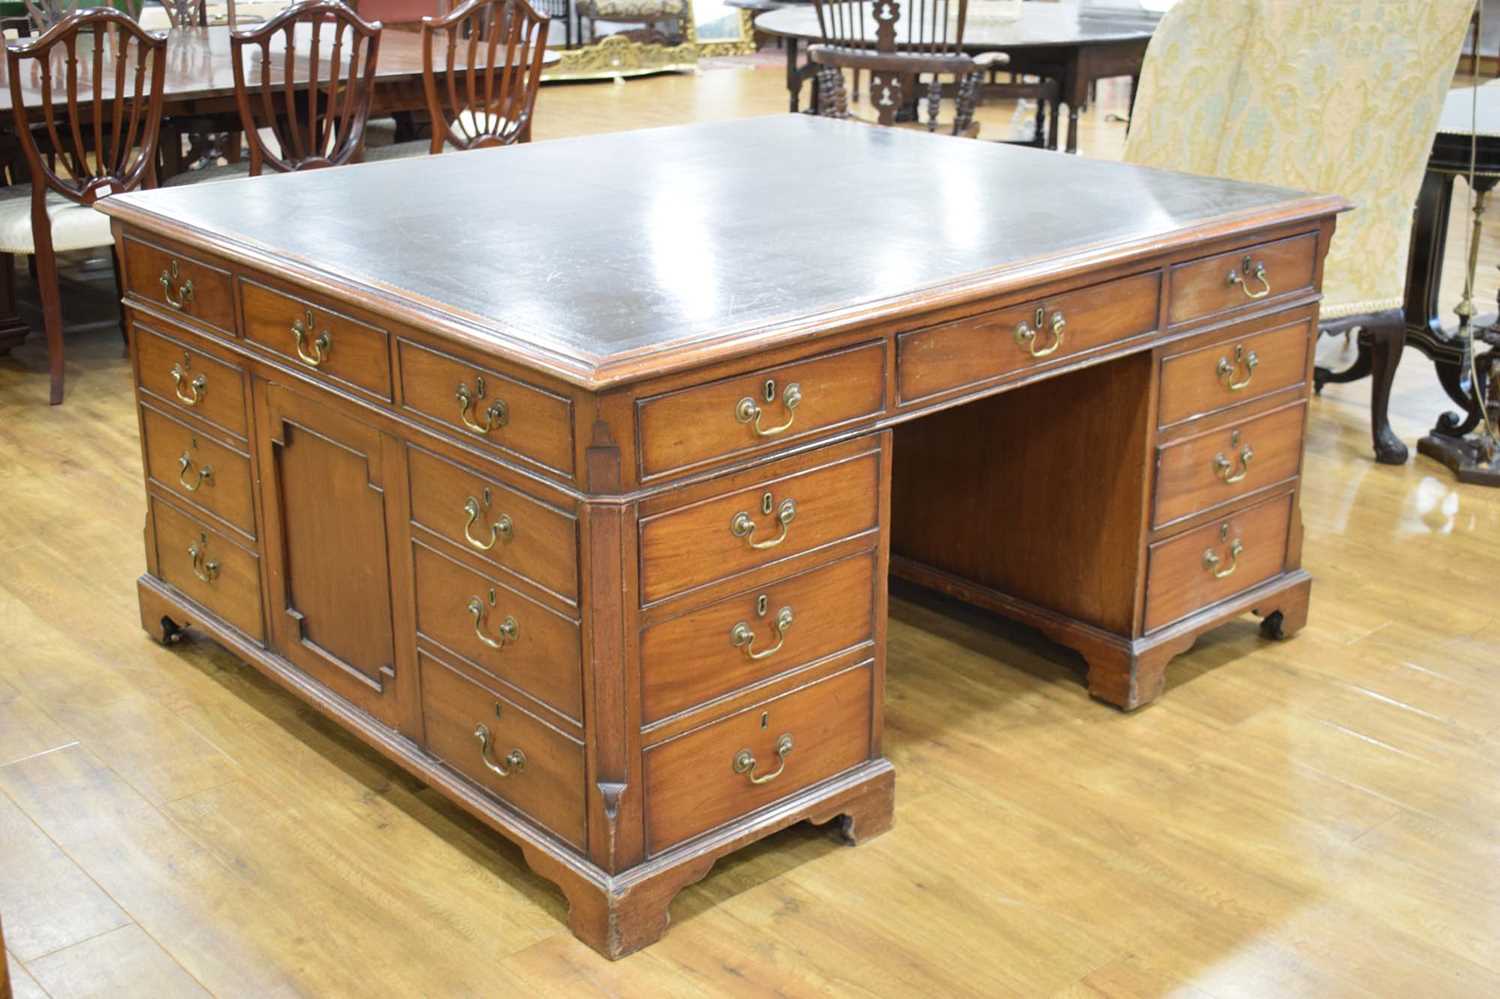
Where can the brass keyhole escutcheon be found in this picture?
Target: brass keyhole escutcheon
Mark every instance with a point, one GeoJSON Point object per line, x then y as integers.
{"type": "Point", "coordinates": [1243, 361]}
{"type": "Point", "coordinates": [747, 410]}
{"type": "Point", "coordinates": [177, 296]}
{"type": "Point", "coordinates": [743, 526]}
{"type": "Point", "coordinates": [495, 416]}
{"type": "Point", "coordinates": [204, 568]}
{"type": "Point", "coordinates": [1251, 270]}
{"type": "Point", "coordinates": [302, 329]}
{"type": "Point", "coordinates": [1215, 564]}
{"type": "Point", "coordinates": [500, 527]}
{"type": "Point", "coordinates": [742, 636]}
{"type": "Point", "coordinates": [1027, 333]}
{"type": "Point", "coordinates": [195, 388]}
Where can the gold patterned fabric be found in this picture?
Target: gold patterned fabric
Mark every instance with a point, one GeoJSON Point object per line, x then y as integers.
{"type": "Point", "coordinates": [1333, 96]}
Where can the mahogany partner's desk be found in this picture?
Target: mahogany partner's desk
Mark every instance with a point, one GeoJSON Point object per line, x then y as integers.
{"type": "Point", "coordinates": [575, 493]}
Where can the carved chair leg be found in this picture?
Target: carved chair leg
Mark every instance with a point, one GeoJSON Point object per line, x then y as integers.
{"type": "Point", "coordinates": [968, 101]}
{"type": "Point", "coordinates": [1387, 340]}
{"type": "Point", "coordinates": [832, 99]}
{"type": "Point", "coordinates": [934, 101]}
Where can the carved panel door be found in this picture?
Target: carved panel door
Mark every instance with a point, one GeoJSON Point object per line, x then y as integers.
{"type": "Point", "coordinates": [329, 523]}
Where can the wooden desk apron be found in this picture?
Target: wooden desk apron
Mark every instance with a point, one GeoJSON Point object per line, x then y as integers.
{"type": "Point", "coordinates": [580, 504]}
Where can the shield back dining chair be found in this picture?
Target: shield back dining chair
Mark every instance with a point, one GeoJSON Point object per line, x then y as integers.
{"type": "Point", "coordinates": [481, 71]}
{"type": "Point", "coordinates": [88, 128]}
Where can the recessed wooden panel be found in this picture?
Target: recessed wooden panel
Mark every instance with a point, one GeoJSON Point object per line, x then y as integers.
{"type": "Point", "coordinates": [1180, 579]}
{"type": "Point", "coordinates": [189, 380]}
{"type": "Point", "coordinates": [1203, 287]}
{"type": "Point", "coordinates": [691, 782]}
{"type": "Point", "coordinates": [208, 567]}
{"type": "Point", "coordinates": [180, 283]}
{"type": "Point", "coordinates": [318, 339]}
{"type": "Point", "coordinates": [695, 425]}
{"type": "Point", "coordinates": [1203, 471]}
{"type": "Point", "coordinates": [696, 657]}
{"type": "Point", "coordinates": [197, 469]}
{"type": "Point", "coordinates": [1202, 381]}
{"type": "Point", "coordinates": [505, 527]}
{"type": "Point", "coordinates": [547, 785]}
{"type": "Point", "coordinates": [981, 347]}
{"type": "Point", "coordinates": [335, 617]}
{"type": "Point", "coordinates": [698, 543]}
{"type": "Point", "coordinates": [536, 424]}
{"type": "Point", "coordinates": [540, 656]}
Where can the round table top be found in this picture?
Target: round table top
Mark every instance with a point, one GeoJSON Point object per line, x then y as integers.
{"type": "Point", "coordinates": [1042, 25]}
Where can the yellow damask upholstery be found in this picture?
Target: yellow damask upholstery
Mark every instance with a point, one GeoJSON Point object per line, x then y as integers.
{"type": "Point", "coordinates": [1333, 96]}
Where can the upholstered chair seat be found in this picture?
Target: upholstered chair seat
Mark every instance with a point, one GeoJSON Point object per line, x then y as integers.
{"type": "Point", "coordinates": [74, 226]}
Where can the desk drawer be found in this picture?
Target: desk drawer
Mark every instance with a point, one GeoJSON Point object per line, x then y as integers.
{"type": "Point", "coordinates": [487, 406]}
{"type": "Point", "coordinates": [512, 637]}
{"type": "Point", "coordinates": [208, 567]}
{"type": "Point", "coordinates": [180, 283]}
{"type": "Point", "coordinates": [316, 339]}
{"type": "Point", "coordinates": [190, 381]}
{"type": "Point", "coordinates": [1204, 471]}
{"type": "Point", "coordinates": [1241, 278]}
{"type": "Point", "coordinates": [708, 776]}
{"type": "Point", "coordinates": [1211, 563]}
{"type": "Point", "coordinates": [686, 428]}
{"type": "Point", "coordinates": [198, 469]}
{"type": "Point", "coordinates": [743, 530]}
{"type": "Point", "coordinates": [494, 522]}
{"type": "Point", "coordinates": [1231, 372]}
{"type": "Point", "coordinates": [494, 742]}
{"type": "Point", "coordinates": [976, 349]}
{"type": "Point", "coordinates": [756, 635]}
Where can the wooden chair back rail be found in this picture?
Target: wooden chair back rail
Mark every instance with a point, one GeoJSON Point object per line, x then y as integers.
{"type": "Point", "coordinates": [103, 140]}
{"type": "Point", "coordinates": [496, 88]}
{"type": "Point", "coordinates": [186, 13]}
{"type": "Point", "coordinates": [318, 124]}
{"type": "Point", "coordinates": [929, 27]}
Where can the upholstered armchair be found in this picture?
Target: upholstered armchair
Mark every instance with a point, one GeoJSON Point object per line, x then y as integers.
{"type": "Point", "coordinates": [1338, 96]}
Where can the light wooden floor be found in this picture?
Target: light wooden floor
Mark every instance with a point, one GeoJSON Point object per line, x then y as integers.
{"type": "Point", "coordinates": [1320, 817]}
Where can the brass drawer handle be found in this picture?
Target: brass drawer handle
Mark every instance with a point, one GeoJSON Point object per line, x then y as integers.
{"type": "Point", "coordinates": [743, 527]}
{"type": "Point", "coordinates": [496, 414]}
{"type": "Point", "coordinates": [205, 475]}
{"type": "Point", "coordinates": [321, 345]}
{"type": "Point", "coordinates": [1251, 270]}
{"type": "Point", "coordinates": [206, 570]}
{"type": "Point", "coordinates": [747, 410]}
{"type": "Point", "coordinates": [515, 760]}
{"type": "Point", "coordinates": [744, 761]}
{"type": "Point", "coordinates": [1223, 467]}
{"type": "Point", "coordinates": [742, 638]}
{"type": "Point", "coordinates": [508, 631]}
{"type": "Point", "coordinates": [184, 294]}
{"type": "Point", "coordinates": [1227, 368]}
{"type": "Point", "coordinates": [1212, 561]}
{"type": "Point", "coordinates": [501, 528]}
{"type": "Point", "coordinates": [1026, 334]}
{"type": "Point", "coordinates": [198, 386]}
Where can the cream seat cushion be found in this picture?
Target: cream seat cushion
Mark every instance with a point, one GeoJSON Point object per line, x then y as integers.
{"type": "Point", "coordinates": [74, 226]}
{"type": "Point", "coordinates": [1337, 96]}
